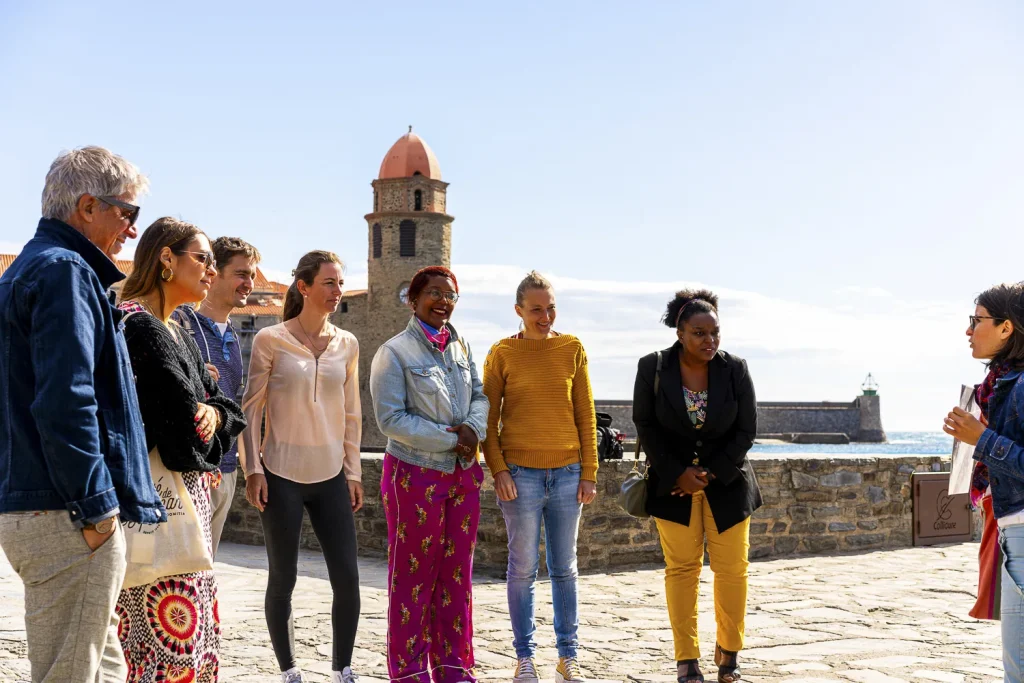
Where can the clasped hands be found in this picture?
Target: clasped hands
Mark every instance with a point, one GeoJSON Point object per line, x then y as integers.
{"type": "Point", "coordinates": [692, 480]}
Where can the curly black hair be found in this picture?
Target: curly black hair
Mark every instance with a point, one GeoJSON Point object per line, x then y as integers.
{"type": "Point", "coordinates": [687, 303]}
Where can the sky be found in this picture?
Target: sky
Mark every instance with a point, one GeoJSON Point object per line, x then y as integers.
{"type": "Point", "coordinates": [846, 175]}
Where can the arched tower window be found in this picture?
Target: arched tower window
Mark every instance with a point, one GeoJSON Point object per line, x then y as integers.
{"type": "Point", "coordinates": [418, 200]}
{"type": "Point", "coordinates": [378, 241]}
{"type": "Point", "coordinates": [407, 238]}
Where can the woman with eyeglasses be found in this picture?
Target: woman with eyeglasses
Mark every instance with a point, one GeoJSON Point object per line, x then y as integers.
{"type": "Point", "coordinates": [171, 628]}
{"type": "Point", "coordinates": [429, 402]}
{"type": "Point", "coordinates": [696, 416]}
{"type": "Point", "coordinates": [304, 388]}
{"type": "Point", "coordinates": [996, 334]}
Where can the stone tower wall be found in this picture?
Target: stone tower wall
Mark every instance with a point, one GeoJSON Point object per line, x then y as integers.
{"type": "Point", "coordinates": [379, 314]}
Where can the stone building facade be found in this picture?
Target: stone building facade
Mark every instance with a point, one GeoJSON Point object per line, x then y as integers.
{"type": "Point", "coordinates": [408, 229]}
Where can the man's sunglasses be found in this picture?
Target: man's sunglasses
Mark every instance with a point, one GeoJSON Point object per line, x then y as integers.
{"type": "Point", "coordinates": [129, 211]}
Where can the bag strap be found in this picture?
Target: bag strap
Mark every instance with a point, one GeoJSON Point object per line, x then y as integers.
{"type": "Point", "coordinates": [657, 384]}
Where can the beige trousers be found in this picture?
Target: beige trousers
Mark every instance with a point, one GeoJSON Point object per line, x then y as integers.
{"type": "Point", "coordinates": [70, 593]}
{"type": "Point", "coordinates": [220, 499]}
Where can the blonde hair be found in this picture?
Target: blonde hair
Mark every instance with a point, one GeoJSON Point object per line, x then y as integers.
{"type": "Point", "coordinates": [533, 280]}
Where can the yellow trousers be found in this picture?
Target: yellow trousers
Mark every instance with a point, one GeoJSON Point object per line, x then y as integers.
{"type": "Point", "coordinates": [684, 556]}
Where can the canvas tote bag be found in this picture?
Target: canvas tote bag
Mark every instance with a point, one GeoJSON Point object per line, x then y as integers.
{"type": "Point", "coordinates": [178, 546]}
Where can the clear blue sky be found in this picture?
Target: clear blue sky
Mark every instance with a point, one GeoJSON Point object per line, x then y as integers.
{"type": "Point", "coordinates": [852, 172]}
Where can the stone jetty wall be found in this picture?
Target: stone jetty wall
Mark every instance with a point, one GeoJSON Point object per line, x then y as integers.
{"type": "Point", "coordinates": [860, 419]}
{"type": "Point", "coordinates": [812, 505]}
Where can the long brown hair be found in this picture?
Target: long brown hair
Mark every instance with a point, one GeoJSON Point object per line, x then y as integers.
{"type": "Point", "coordinates": [309, 266]}
{"type": "Point", "coordinates": [164, 232]}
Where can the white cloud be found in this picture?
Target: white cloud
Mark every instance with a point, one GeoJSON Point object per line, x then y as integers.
{"type": "Point", "coordinates": [796, 351]}
{"type": "Point", "coordinates": [860, 291]}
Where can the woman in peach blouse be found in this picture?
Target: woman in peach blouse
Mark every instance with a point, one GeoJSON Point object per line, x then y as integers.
{"type": "Point", "coordinates": [304, 386]}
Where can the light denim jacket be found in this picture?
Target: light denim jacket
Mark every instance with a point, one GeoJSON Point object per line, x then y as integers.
{"type": "Point", "coordinates": [418, 392]}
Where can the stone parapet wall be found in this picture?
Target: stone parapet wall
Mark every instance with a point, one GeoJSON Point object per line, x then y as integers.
{"type": "Point", "coordinates": [812, 505]}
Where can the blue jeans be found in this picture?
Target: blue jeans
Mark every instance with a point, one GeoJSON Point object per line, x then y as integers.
{"type": "Point", "coordinates": [1011, 607]}
{"type": "Point", "coordinates": [549, 495]}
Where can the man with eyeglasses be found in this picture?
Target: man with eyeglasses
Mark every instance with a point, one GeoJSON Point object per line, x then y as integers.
{"type": "Point", "coordinates": [210, 327]}
{"type": "Point", "coordinates": [73, 456]}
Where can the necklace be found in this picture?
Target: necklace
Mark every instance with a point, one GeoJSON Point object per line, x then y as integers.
{"type": "Point", "coordinates": [317, 351]}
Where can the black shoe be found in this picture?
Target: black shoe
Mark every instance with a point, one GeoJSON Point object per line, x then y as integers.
{"type": "Point", "coordinates": [688, 671]}
{"type": "Point", "coordinates": [728, 665]}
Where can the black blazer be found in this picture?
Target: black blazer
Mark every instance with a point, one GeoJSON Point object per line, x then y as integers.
{"type": "Point", "coordinates": [671, 441]}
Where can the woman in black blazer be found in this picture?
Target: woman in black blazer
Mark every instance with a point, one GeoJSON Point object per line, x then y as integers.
{"type": "Point", "coordinates": [696, 421]}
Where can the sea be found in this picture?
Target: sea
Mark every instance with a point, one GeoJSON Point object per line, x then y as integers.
{"type": "Point", "coordinates": [899, 443]}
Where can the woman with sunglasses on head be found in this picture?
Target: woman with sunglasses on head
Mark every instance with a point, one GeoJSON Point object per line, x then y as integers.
{"type": "Point", "coordinates": [429, 402]}
{"type": "Point", "coordinates": [696, 416]}
{"type": "Point", "coordinates": [171, 628]}
{"type": "Point", "coordinates": [544, 463]}
{"type": "Point", "coordinates": [996, 334]}
{"type": "Point", "coordinates": [304, 388]}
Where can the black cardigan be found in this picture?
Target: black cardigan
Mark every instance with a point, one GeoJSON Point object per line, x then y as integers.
{"type": "Point", "coordinates": [171, 380]}
{"type": "Point", "coordinates": [671, 441]}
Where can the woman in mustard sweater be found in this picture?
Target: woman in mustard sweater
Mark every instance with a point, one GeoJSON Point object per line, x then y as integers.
{"type": "Point", "coordinates": [544, 463]}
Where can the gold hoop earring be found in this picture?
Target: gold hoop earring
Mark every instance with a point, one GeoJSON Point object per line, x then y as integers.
{"type": "Point", "coordinates": [166, 274]}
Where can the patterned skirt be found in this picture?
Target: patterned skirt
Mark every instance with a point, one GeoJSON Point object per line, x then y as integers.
{"type": "Point", "coordinates": [170, 629]}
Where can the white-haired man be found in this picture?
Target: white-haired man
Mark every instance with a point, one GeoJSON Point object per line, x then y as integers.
{"type": "Point", "coordinates": [73, 456]}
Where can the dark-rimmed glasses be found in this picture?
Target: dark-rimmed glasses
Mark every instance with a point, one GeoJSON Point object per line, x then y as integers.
{"type": "Point", "coordinates": [437, 295]}
{"type": "Point", "coordinates": [975, 318]}
{"type": "Point", "coordinates": [132, 214]}
{"type": "Point", "coordinates": [207, 259]}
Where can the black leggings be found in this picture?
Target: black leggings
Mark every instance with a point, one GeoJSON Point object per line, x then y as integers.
{"type": "Point", "coordinates": [330, 513]}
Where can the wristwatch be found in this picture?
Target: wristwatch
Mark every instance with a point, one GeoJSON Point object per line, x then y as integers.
{"type": "Point", "coordinates": [104, 526]}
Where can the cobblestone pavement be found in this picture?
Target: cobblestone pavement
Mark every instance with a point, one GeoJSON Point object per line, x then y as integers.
{"type": "Point", "coordinates": [886, 616]}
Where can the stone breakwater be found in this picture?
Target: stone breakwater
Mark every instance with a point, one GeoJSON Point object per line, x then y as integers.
{"type": "Point", "coordinates": [812, 505]}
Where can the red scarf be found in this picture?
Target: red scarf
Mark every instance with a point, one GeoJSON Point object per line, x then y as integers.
{"type": "Point", "coordinates": [983, 396]}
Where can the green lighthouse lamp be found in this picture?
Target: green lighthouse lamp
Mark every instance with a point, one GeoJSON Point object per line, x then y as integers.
{"type": "Point", "coordinates": [870, 386]}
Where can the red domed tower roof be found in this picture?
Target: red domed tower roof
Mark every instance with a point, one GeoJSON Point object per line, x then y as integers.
{"type": "Point", "coordinates": [408, 157]}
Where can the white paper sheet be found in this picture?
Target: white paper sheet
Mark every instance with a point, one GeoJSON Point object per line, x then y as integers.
{"type": "Point", "coordinates": [963, 453]}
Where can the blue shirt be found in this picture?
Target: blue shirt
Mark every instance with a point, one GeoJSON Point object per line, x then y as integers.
{"type": "Point", "coordinates": [225, 354]}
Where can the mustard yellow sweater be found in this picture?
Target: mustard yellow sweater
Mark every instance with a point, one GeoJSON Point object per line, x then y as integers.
{"type": "Point", "coordinates": [540, 395]}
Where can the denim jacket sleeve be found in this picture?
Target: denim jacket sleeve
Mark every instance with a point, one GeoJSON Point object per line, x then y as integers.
{"type": "Point", "coordinates": [1001, 453]}
{"type": "Point", "coordinates": [388, 388]}
{"type": "Point", "coordinates": [479, 405]}
{"type": "Point", "coordinates": [66, 330]}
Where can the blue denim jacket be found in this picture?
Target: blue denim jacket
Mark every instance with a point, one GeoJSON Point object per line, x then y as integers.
{"type": "Point", "coordinates": [1001, 446]}
{"type": "Point", "coordinates": [418, 392]}
{"type": "Point", "coordinates": [71, 434]}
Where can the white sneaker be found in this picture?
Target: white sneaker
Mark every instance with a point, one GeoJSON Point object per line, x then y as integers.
{"type": "Point", "coordinates": [568, 671]}
{"type": "Point", "coordinates": [292, 676]}
{"type": "Point", "coordinates": [526, 672]}
{"type": "Point", "coordinates": [344, 676]}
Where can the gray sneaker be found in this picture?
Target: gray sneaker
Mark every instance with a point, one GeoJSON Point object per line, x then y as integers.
{"type": "Point", "coordinates": [344, 676]}
{"type": "Point", "coordinates": [526, 672]}
{"type": "Point", "coordinates": [292, 676]}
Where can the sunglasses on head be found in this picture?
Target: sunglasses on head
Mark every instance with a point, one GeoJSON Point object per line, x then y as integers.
{"type": "Point", "coordinates": [128, 211]}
